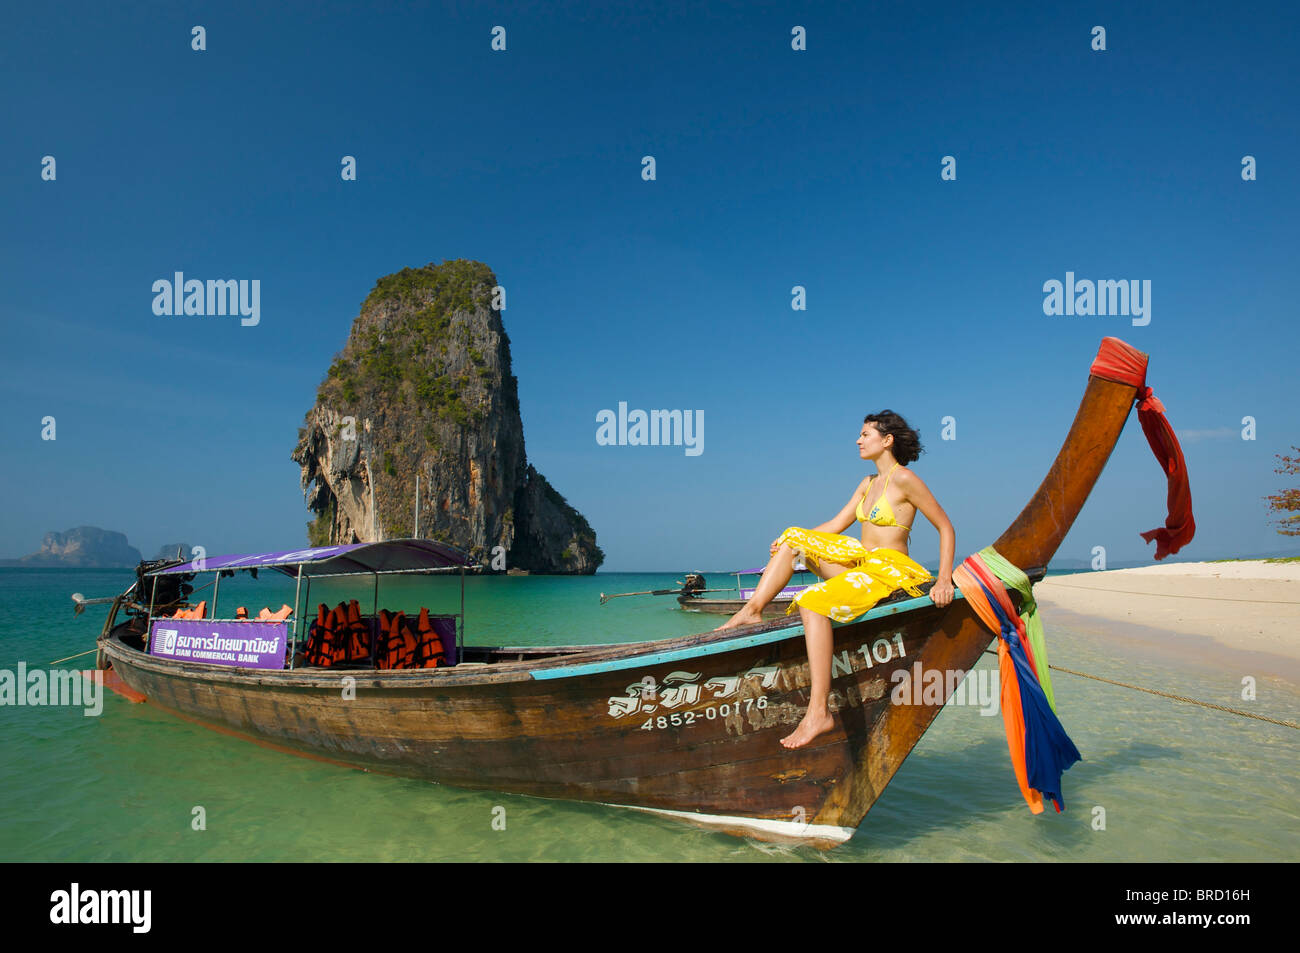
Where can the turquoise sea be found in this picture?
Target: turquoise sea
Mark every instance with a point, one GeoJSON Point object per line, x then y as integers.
{"type": "Point", "coordinates": [1176, 782]}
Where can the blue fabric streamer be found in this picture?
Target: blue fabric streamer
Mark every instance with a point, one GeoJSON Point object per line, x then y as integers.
{"type": "Point", "coordinates": [1048, 749]}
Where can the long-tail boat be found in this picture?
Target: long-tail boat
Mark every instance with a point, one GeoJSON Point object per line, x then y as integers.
{"type": "Point", "coordinates": [693, 599]}
{"type": "Point", "coordinates": [688, 727]}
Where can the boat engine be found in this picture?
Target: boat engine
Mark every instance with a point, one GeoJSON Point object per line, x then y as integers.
{"type": "Point", "coordinates": [171, 590]}
{"type": "Point", "coordinates": [694, 583]}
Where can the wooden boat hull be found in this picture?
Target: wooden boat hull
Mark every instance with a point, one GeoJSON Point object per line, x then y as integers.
{"type": "Point", "coordinates": [773, 610]}
{"type": "Point", "coordinates": [688, 726]}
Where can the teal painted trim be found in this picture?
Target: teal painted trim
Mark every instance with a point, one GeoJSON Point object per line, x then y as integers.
{"type": "Point", "coordinates": [717, 648]}
{"type": "Point", "coordinates": [658, 658]}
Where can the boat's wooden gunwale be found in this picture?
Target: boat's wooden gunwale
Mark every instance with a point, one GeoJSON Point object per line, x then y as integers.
{"type": "Point", "coordinates": [495, 673]}
{"type": "Point", "coordinates": [520, 670]}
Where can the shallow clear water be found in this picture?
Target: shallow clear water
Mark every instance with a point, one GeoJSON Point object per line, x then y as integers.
{"type": "Point", "coordinates": [1177, 782]}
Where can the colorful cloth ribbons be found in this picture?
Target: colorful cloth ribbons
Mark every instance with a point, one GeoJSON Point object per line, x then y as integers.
{"type": "Point", "coordinates": [1040, 749]}
{"type": "Point", "coordinates": [1033, 625]}
{"type": "Point", "coordinates": [1117, 361]}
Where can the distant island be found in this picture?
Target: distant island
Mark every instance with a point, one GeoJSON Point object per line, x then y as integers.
{"type": "Point", "coordinates": [85, 547]}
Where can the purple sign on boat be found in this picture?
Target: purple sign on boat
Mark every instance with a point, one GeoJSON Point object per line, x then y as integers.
{"type": "Point", "coordinates": [237, 644]}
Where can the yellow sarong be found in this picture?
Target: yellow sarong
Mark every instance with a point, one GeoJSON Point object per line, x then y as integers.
{"type": "Point", "coordinates": [875, 573]}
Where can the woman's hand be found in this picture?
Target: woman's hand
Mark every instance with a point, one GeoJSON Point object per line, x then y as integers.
{"type": "Point", "coordinates": [941, 592]}
{"type": "Point", "coordinates": [776, 543]}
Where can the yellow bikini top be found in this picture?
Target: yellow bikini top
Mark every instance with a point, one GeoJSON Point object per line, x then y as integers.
{"type": "Point", "coordinates": [882, 514]}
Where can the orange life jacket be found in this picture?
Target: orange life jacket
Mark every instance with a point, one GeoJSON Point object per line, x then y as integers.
{"type": "Point", "coordinates": [400, 647]}
{"type": "Point", "coordinates": [430, 652]}
{"type": "Point", "coordinates": [339, 633]}
{"type": "Point", "coordinates": [196, 612]}
{"type": "Point", "coordinates": [312, 651]}
{"type": "Point", "coordinates": [325, 640]}
{"type": "Point", "coordinates": [358, 640]}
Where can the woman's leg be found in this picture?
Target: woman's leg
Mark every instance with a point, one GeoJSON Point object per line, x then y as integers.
{"type": "Point", "coordinates": [775, 576]}
{"type": "Point", "coordinates": [817, 636]}
{"type": "Point", "coordinates": [778, 572]}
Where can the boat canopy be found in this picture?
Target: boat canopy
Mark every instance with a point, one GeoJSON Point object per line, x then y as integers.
{"type": "Point", "coordinates": [394, 555]}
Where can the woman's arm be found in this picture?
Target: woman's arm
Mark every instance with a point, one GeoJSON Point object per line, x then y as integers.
{"type": "Point", "coordinates": [842, 520]}
{"type": "Point", "coordinates": [845, 517]}
{"type": "Point", "coordinates": [919, 495]}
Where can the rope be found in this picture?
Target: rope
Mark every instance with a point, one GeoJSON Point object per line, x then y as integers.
{"type": "Point", "coordinates": [1181, 698]}
{"type": "Point", "coordinates": [1170, 595]}
{"type": "Point", "coordinates": [71, 657]}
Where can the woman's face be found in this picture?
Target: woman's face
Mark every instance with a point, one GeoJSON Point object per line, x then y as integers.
{"type": "Point", "coordinates": [870, 443]}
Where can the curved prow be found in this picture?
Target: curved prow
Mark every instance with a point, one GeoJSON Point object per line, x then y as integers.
{"type": "Point", "coordinates": [1032, 540]}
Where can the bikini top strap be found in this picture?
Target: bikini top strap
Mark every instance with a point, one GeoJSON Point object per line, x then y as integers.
{"type": "Point", "coordinates": [888, 477]}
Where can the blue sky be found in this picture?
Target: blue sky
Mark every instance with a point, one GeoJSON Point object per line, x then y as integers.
{"type": "Point", "coordinates": [775, 168]}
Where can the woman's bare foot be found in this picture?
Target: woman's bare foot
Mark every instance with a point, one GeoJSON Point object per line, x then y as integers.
{"type": "Point", "coordinates": [745, 616]}
{"type": "Point", "coordinates": [811, 726]}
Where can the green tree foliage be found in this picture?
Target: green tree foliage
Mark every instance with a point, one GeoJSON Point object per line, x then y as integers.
{"type": "Point", "coordinates": [401, 350]}
{"type": "Point", "coordinates": [318, 530]}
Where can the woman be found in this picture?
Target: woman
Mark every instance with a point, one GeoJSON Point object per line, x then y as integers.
{"type": "Point", "coordinates": [856, 576]}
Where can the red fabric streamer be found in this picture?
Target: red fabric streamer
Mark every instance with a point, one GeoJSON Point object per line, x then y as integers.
{"type": "Point", "coordinates": [1121, 362]}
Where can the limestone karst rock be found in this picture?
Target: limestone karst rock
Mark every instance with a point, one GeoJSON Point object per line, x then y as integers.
{"type": "Point", "coordinates": [423, 387]}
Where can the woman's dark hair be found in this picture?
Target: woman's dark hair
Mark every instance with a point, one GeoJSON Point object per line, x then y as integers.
{"type": "Point", "coordinates": [907, 442]}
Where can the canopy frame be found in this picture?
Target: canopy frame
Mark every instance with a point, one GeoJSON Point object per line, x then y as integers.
{"type": "Point", "coordinates": [390, 557]}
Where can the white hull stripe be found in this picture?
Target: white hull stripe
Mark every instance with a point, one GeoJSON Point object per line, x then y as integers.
{"type": "Point", "coordinates": [793, 829]}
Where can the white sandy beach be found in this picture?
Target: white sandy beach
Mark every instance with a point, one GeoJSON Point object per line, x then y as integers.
{"type": "Point", "coordinates": [1244, 606]}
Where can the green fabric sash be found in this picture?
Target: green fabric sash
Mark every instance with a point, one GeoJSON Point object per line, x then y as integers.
{"type": "Point", "coordinates": [1013, 578]}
